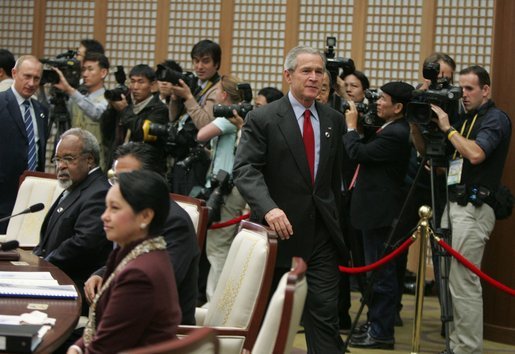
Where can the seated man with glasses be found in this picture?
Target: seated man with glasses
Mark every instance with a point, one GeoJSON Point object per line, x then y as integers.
{"type": "Point", "coordinates": [72, 236]}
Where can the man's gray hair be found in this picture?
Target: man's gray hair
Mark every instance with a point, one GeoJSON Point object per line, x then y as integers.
{"type": "Point", "coordinates": [89, 142]}
{"type": "Point", "coordinates": [290, 63]}
{"type": "Point", "coordinates": [25, 58]}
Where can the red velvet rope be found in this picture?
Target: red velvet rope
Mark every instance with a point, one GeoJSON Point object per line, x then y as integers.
{"type": "Point", "coordinates": [475, 269]}
{"type": "Point", "coordinates": [229, 222]}
{"type": "Point", "coordinates": [354, 270]}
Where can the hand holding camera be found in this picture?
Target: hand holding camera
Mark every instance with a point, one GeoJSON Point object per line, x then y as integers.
{"type": "Point", "coordinates": [63, 84]}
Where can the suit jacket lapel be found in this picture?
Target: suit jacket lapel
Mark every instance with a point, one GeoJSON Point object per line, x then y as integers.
{"type": "Point", "coordinates": [290, 130]}
{"type": "Point", "coordinates": [40, 120]}
{"type": "Point", "coordinates": [16, 113]}
{"type": "Point", "coordinates": [326, 136]}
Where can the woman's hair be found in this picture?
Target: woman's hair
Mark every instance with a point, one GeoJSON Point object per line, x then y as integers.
{"type": "Point", "coordinates": [361, 77]}
{"type": "Point", "coordinates": [145, 189]}
{"type": "Point", "coordinates": [229, 84]}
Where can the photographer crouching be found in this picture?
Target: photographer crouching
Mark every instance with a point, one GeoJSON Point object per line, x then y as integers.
{"type": "Point", "coordinates": [477, 150]}
{"type": "Point", "coordinates": [225, 201]}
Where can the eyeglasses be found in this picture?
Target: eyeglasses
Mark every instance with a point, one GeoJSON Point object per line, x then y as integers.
{"type": "Point", "coordinates": [112, 178]}
{"type": "Point", "coordinates": [66, 160]}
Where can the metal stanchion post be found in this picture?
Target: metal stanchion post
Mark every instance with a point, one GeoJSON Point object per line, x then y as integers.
{"type": "Point", "coordinates": [423, 231]}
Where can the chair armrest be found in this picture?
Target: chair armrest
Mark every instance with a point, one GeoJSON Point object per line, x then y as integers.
{"type": "Point", "coordinates": [200, 315]}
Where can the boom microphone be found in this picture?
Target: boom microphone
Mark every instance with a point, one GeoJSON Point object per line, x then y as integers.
{"type": "Point", "coordinates": [32, 209]}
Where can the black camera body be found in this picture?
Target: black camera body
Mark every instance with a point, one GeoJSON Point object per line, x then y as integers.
{"type": "Point", "coordinates": [164, 73]}
{"type": "Point", "coordinates": [333, 64]}
{"type": "Point", "coordinates": [367, 111]}
{"type": "Point", "coordinates": [242, 108]}
{"type": "Point", "coordinates": [116, 93]}
{"type": "Point", "coordinates": [440, 93]}
{"type": "Point", "coordinates": [221, 185]}
{"type": "Point", "coordinates": [418, 111]}
{"type": "Point", "coordinates": [69, 66]}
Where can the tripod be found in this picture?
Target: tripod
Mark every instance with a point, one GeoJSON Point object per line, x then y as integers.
{"type": "Point", "coordinates": [441, 259]}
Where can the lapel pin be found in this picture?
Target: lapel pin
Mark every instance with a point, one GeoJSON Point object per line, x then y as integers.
{"type": "Point", "coordinates": [60, 210]}
{"type": "Point", "coordinates": [328, 132]}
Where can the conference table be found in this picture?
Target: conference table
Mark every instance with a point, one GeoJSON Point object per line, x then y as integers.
{"type": "Point", "coordinates": [66, 312]}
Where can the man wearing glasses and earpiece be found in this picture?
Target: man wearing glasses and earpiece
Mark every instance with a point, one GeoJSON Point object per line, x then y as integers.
{"type": "Point", "coordinates": [72, 236]}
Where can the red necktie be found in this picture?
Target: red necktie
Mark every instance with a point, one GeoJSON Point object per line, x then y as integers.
{"type": "Point", "coordinates": [309, 143]}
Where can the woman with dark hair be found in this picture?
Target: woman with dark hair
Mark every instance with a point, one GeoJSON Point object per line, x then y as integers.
{"type": "Point", "coordinates": [138, 303]}
{"type": "Point", "coordinates": [354, 86]}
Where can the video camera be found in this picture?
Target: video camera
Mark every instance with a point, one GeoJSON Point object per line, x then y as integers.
{"type": "Point", "coordinates": [164, 73]}
{"type": "Point", "coordinates": [333, 65]}
{"type": "Point", "coordinates": [418, 111]}
{"type": "Point", "coordinates": [68, 64]}
{"type": "Point", "coordinates": [242, 108]}
{"type": "Point", "coordinates": [368, 111]}
{"type": "Point", "coordinates": [440, 93]}
{"type": "Point", "coordinates": [116, 93]}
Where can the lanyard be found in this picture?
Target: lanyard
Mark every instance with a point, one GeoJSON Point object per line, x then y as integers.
{"type": "Point", "coordinates": [468, 133]}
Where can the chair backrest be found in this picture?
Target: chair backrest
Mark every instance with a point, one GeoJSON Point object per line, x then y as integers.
{"type": "Point", "coordinates": [284, 312]}
{"type": "Point", "coordinates": [202, 340]}
{"type": "Point", "coordinates": [198, 212]}
{"type": "Point", "coordinates": [240, 297]}
{"type": "Point", "coordinates": [35, 187]}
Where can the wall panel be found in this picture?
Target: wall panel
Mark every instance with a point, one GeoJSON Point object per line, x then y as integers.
{"type": "Point", "coordinates": [258, 42]}
{"type": "Point", "coordinates": [16, 26]}
{"type": "Point", "coordinates": [190, 22]}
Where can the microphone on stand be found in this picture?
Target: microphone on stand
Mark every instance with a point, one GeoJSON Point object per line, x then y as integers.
{"type": "Point", "coordinates": [32, 209]}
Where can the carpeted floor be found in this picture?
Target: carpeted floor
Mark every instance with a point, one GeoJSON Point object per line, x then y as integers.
{"type": "Point", "coordinates": [430, 342]}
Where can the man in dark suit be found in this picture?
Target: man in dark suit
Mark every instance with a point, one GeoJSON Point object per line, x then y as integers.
{"type": "Point", "coordinates": [179, 233]}
{"type": "Point", "coordinates": [23, 131]}
{"type": "Point", "coordinates": [288, 169]}
{"type": "Point", "coordinates": [72, 234]}
{"type": "Point", "coordinates": [376, 202]}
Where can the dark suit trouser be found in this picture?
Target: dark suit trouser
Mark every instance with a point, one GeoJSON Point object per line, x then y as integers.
{"type": "Point", "coordinates": [383, 303]}
{"type": "Point", "coordinates": [320, 315]}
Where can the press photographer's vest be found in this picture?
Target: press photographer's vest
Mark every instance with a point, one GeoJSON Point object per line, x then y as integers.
{"type": "Point", "coordinates": [488, 173]}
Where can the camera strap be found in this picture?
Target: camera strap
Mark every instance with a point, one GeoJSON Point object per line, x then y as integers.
{"type": "Point", "coordinates": [468, 133]}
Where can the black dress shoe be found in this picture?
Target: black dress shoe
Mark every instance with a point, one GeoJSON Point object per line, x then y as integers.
{"type": "Point", "coordinates": [371, 343]}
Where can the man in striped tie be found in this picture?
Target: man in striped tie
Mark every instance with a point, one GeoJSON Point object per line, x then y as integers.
{"type": "Point", "coordinates": [23, 131]}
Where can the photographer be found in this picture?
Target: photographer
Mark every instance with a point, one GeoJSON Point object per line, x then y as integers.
{"type": "Point", "coordinates": [165, 87]}
{"type": "Point", "coordinates": [478, 147]}
{"type": "Point", "coordinates": [376, 201]}
{"type": "Point", "coordinates": [123, 120]}
{"type": "Point", "coordinates": [223, 132]}
{"type": "Point", "coordinates": [206, 56]}
{"type": "Point", "coordinates": [86, 109]}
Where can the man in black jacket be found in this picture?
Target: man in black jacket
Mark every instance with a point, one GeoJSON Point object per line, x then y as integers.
{"type": "Point", "coordinates": [72, 234]}
{"type": "Point", "coordinates": [376, 202]}
{"type": "Point", "coordinates": [123, 120]}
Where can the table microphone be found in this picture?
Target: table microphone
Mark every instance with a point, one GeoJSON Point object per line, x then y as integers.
{"type": "Point", "coordinates": [32, 209]}
{"type": "Point", "coordinates": [9, 245]}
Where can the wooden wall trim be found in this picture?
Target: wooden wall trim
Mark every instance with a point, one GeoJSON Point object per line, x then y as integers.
{"type": "Point", "coordinates": [38, 28]}
{"type": "Point", "coordinates": [100, 22]}
{"type": "Point", "coordinates": [359, 26]}
{"type": "Point", "coordinates": [498, 259]}
{"type": "Point", "coordinates": [427, 35]}
{"type": "Point", "coordinates": [291, 34]}
{"type": "Point", "coordinates": [162, 31]}
{"type": "Point", "coordinates": [226, 31]}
